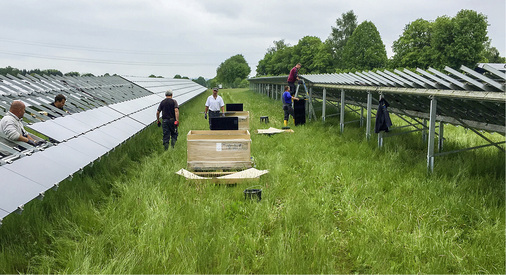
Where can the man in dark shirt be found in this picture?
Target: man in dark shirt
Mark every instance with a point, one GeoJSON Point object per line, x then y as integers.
{"type": "Point", "coordinates": [170, 119]}
{"type": "Point", "coordinates": [292, 77]}
{"type": "Point", "coordinates": [59, 102]}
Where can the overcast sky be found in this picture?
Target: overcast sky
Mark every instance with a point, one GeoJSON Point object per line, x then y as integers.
{"type": "Point", "coordinates": [193, 37]}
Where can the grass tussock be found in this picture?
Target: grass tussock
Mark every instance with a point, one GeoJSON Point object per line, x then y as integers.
{"type": "Point", "coordinates": [331, 203]}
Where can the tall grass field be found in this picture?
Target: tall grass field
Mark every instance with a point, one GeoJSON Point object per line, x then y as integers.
{"type": "Point", "coordinates": [331, 203]}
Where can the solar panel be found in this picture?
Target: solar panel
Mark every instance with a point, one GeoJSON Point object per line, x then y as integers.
{"type": "Point", "coordinates": [134, 105]}
{"type": "Point", "coordinates": [146, 116]}
{"type": "Point", "coordinates": [54, 130]}
{"type": "Point", "coordinates": [105, 112]}
{"type": "Point", "coordinates": [43, 170]}
{"type": "Point", "coordinates": [17, 190]}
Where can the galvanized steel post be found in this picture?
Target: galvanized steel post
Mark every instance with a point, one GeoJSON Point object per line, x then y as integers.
{"type": "Point", "coordinates": [324, 103]}
{"type": "Point", "coordinates": [441, 136]}
{"type": "Point", "coordinates": [369, 116]}
{"type": "Point", "coordinates": [342, 111]}
{"type": "Point", "coordinates": [432, 133]}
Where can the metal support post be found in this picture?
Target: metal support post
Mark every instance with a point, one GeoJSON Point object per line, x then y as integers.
{"type": "Point", "coordinates": [424, 130]}
{"type": "Point", "coordinates": [324, 103]}
{"type": "Point", "coordinates": [361, 117]}
{"type": "Point", "coordinates": [369, 116]}
{"type": "Point", "coordinates": [343, 104]}
{"type": "Point", "coordinates": [432, 134]}
{"type": "Point", "coordinates": [306, 106]}
{"type": "Point", "coordinates": [380, 139]}
{"type": "Point", "coordinates": [440, 137]}
{"type": "Point", "coordinates": [311, 113]}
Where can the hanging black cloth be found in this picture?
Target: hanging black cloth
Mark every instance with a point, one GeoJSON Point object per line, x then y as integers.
{"type": "Point", "coordinates": [383, 121]}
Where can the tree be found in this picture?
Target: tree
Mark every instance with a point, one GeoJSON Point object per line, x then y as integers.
{"type": "Point", "coordinates": [413, 49]}
{"type": "Point", "coordinates": [276, 61]}
{"type": "Point", "coordinates": [323, 60]}
{"type": "Point", "coordinates": [212, 83]}
{"type": "Point", "coordinates": [345, 26]}
{"type": "Point", "coordinates": [231, 69]}
{"type": "Point", "coordinates": [72, 74]}
{"type": "Point", "coordinates": [201, 80]}
{"type": "Point", "coordinates": [460, 40]}
{"type": "Point", "coordinates": [492, 54]}
{"type": "Point", "coordinates": [365, 49]}
{"type": "Point", "coordinates": [305, 52]}
{"type": "Point", "coordinates": [177, 76]}
{"type": "Point", "coordinates": [9, 70]}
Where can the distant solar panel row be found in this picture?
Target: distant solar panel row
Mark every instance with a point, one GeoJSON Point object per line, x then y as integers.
{"type": "Point", "coordinates": [467, 98]}
{"type": "Point", "coordinates": [103, 113]}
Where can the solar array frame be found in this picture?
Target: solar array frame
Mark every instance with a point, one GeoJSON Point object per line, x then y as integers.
{"type": "Point", "coordinates": [103, 113]}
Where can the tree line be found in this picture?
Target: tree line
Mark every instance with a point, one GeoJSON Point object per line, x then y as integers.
{"type": "Point", "coordinates": [447, 41]}
{"type": "Point", "coordinates": [14, 72]}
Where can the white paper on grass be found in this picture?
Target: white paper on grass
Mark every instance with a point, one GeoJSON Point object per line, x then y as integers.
{"type": "Point", "coordinates": [271, 130]}
{"type": "Point", "coordinates": [250, 173]}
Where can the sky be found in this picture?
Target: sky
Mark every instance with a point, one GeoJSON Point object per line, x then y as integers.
{"type": "Point", "coordinates": [193, 37]}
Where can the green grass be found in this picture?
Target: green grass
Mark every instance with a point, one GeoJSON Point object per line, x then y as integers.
{"type": "Point", "coordinates": [332, 203]}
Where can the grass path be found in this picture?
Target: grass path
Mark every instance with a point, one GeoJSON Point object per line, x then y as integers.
{"type": "Point", "coordinates": [331, 203]}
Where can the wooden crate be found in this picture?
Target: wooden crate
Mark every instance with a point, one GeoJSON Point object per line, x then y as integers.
{"type": "Point", "coordinates": [218, 150]}
{"type": "Point", "coordinates": [243, 117]}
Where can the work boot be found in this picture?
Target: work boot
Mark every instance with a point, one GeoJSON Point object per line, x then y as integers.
{"type": "Point", "coordinates": [285, 122]}
{"type": "Point", "coordinates": [166, 146]}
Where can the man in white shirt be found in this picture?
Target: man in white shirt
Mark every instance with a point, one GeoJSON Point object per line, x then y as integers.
{"type": "Point", "coordinates": [214, 104]}
{"type": "Point", "coordinates": [11, 124]}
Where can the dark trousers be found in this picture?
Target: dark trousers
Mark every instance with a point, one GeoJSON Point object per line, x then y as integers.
{"type": "Point", "coordinates": [292, 87]}
{"type": "Point", "coordinates": [213, 114]}
{"type": "Point", "coordinates": [287, 108]}
{"type": "Point", "coordinates": [169, 133]}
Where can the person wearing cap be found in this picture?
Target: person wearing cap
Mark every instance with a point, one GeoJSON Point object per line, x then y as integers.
{"type": "Point", "coordinates": [170, 119]}
{"type": "Point", "coordinates": [214, 104]}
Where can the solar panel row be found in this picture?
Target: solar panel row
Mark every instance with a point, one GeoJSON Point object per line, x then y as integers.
{"type": "Point", "coordinates": [465, 98]}
{"type": "Point", "coordinates": [103, 113]}
{"type": "Point", "coordinates": [474, 99]}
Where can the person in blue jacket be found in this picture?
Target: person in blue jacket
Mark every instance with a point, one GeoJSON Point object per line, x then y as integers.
{"type": "Point", "coordinates": [287, 104]}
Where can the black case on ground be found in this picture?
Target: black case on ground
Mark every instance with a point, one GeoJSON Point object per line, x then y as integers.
{"type": "Point", "coordinates": [225, 123]}
{"type": "Point", "coordinates": [299, 110]}
{"type": "Point", "coordinates": [235, 107]}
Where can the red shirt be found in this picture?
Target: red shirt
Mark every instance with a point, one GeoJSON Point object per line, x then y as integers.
{"type": "Point", "coordinates": [293, 74]}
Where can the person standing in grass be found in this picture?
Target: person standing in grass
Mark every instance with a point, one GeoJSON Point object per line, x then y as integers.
{"type": "Point", "coordinates": [170, 119]}
{"type": "Point", "coordinates": [287, 104]}
{"type": "Point", "coordinates": [214, 104]}
{"type": "Point", "coordinates": [292, 77]}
